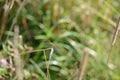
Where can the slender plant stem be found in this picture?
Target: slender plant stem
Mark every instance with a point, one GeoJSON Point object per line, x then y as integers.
{"type": "Point", "coordinates": [15, 18]}
{"type": "Point", "coordinates": [83, 65]}
{"type": "Point", "coordinates": [17, 56]}
{"type": "Point", "coordinates": [114, 38]}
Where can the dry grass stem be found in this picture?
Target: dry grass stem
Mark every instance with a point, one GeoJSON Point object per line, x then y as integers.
{"type": "Point", "coordinates": [15, 18]}
{"type": "Point", "coordinates": [116, 32]}
{"type": "Point", "coordinates": [47, 66]}
{"type": "Point", "coordinates": [83, 65]}
{"type": "Point", "coordinates": [4, 18]}
{"type": "Point", "coordinates": [17, 56]}
{"type": "Point", "coordinates": [114, 36]}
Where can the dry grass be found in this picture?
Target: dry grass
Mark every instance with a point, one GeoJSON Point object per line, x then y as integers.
{"type": "Point", "coordinates": [114, 37]}
{"type": "Point", "coordinates": [83, 65]}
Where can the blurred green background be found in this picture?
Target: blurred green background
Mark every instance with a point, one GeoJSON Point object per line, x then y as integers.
{"type": "Point", "coordinates": [56, 32]}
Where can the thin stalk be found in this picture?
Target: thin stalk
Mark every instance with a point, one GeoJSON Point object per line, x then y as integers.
{"type": "Point", "coordinates": [114, 37]}
{"type": "Point", "coordinates": [47, 66]}
{"type": "Point", "coordinates": [4, 18]}
{"type": "Point", "coordinates": [15, 18]}
{"type": "Point", "coordinates": [17, 56]}
{"type": "Point", "coordinates": [83, 65]}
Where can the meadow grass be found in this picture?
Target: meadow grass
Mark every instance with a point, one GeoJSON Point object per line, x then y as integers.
{"type": "Point", "coordinates": [55, 34]}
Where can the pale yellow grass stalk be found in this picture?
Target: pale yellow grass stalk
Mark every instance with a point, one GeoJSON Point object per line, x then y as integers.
{"type": "Point", "coordinates": [83, 65]}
